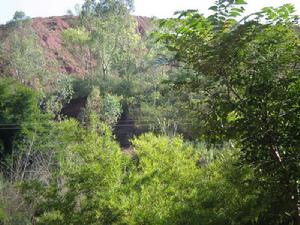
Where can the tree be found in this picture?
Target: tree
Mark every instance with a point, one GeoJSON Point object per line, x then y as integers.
{"type": "Point", "coordinates": [26, 58]}
{"type": "Point", "coordinates": [19, 16]}
{"type": "Point", "coordinates": [37, 157]}
{"type": "Point", "coordinates": [111, 109]}
{"type": "Point", "coordinates": [248, 73]}
{"type": "Point", "coordinates": [96, 183]}
{"type": "Point", "coordinates": [60, 94]}
{"type": "Point", "coordinates": [18, 103]}
{"type": "Point", "coordinates": [77, 39]}
{"type": "Point", "coordinates": [114, 40]}
{"type": "Point", "coordinates": [164, 181]}
{"type": "Point", "coordinates": [19, 109]}
{"type": "Point", "coordinates": [103, 8]}
{"type": "Point", "coordinates": [86, 188]}
{"type": "Point", "coordinates": [106, 108]}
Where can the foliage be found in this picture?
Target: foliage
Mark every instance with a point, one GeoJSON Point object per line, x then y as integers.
{"type": "Point", "coordinates": [163, 183]}
{"type": "Point", "coordinates": [164, 111]}
{"type": "Point", "coordinates": [113, 46]}
{"type": "Point", "coordinates": [104, 8]}
{"type": "Point", "coordinates": [75, 36]}
{"type": "Point", "coordinates": [25, 56]}
{"type": "Point", "coordinates": [13, 210]}
{"type": "Point", "coordinates": [35, 159]}
{"type": "Point", "coordinates": [112, 109]}
{"type": "Point", "coordinates": [122, 62]}
{"type": "Point", "coordinates": [25, 60]}
{"type": "Point", "coordinates": [21, 124]}
{"type": "Point", "coordinates": [61, 93]}
{"type": "Point", "coordinates": [77, 40]}
{"type": "Point", "coordinates": [248, 73]}
{"type": "Point", "coordinates": [18, 104]}
{"type": "Point", "coordinates": [19, 16]}
{"type": "Point", "coordinates": [87, 187]}
{"type": "Point", "coordinates": [107, 108]}
{"type": "Point", "coordinates": [229, 82]}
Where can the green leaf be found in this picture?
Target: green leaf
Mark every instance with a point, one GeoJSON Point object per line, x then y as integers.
{"type": "Point", "coordinates": [234, 14]}
{"type": "Point", "coordinates": [240, 2]}
{"type": "Point", "coordinates": [213, 8]}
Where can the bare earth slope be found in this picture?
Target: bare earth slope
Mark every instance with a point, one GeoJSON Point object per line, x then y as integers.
{"type": "Point", "coordinates": [49, 31]}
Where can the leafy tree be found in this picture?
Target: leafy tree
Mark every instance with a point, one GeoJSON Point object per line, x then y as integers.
{"type": "Point", "coordinates": [77, 39]}
{"type": "Point", "coordinates": [92, 172]}
{"type": "Point", "coordinates": [26, 58]}
{"type": "Point", "coordinates": [18, 103]}
{"type": "Point", "coordinates": [61, 92]}
{"type": "Point", "coordinates": [113, 40]}
{"type": "Point", "coordinates": [107, 108]}
{"type": "Point", "coordinates": [163, 111]}
{"type": "Point", "coordinates": [103, 8]}
{"type": "Point", "coordinates": [248, 71]}
{"type": "Point", "coordinates": [37, 157]}
{"type": "Point", "coordinates": [94, 102]}
{"type": "Point", "coordinates": [164, 182]}
{"type": "Point", "coordinates": [19, 16]}
{"type": "Point", "coordinates": [97, 184]}
{"type": "Point", "coordinates": [25, 61]}
{"type": "Point", "coordinates": [127, 64]}
{"type": "Point", "coordinates": [20, 116]}
{"type": "Point", "coordinates": [111, 109]}
{"type": "Point", "coordinates": [75, 36]}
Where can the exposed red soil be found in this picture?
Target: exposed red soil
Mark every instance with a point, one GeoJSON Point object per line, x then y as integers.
{"type": "Point", "coordinates": [143, 24]}
{"type": "Point", "coordinates": [49, 31]}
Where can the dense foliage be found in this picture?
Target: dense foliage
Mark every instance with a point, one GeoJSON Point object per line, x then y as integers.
{"type": "Point", "coordinates": [219, 95]}
{"type": "Point", "coordinates": [249, 74]}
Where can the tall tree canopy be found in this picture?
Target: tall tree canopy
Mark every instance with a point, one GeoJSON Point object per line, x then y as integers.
{"type": "Point", "coordinates": [103, 8]}
{"type": "Point", "coordinates": [247, 73]}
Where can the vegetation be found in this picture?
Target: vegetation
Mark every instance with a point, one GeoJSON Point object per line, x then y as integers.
{"type": "Point", "coordinates": [252, 70]}
{"type": "Point", "coordinates": [210, 105]}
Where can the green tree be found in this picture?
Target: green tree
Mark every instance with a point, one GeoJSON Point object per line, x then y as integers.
{"type": "Point", "coordinates": [111, 109]}
{"type": "Point", "coordinates": [77, 40]}
{"type": "Point", "coordinates": [25, 56]}
{"type": "Point", "coordinates": [248, 73]}
{"type": "Point", "coordinates": [163, 183]}
{"type": "Point", "coordinates": [106, 108]}
{"type": "Point", "coordinates": [114, 40]}
{"type": "Point", "coordinates": [92, 108]}
{"type": "Point", "coordinates": [60, 94]}
{"type": "Point", "coordinates": [38, 156]}
{"type": "Point", "coordinates": [18, 104]}
{"type": "Point", "coordinates": [20, 115]}
{"type": "Point", "coordinates": [19, 16]}
{"type": "Point", "coordinates": [103, 8]}
{"type": "Point", "coordinates": [87, 186]}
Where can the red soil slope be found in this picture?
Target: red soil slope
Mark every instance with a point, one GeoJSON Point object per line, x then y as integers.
{"type": "Point", "coordinates": [49, 32]}
{"type": "Point", "coordinates": [59, 58]}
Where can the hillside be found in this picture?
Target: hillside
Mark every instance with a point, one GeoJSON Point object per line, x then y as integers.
{"type": "Point", "coordinates": [110, 119]}
{"type": "Point", "coordinates": [49, 30]}
{"type": "Point", "coordinates": [60, 59]}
